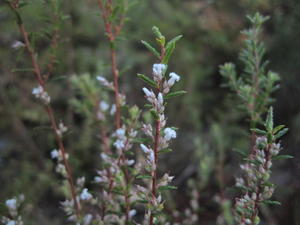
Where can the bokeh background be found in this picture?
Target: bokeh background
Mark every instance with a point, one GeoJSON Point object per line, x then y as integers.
{"type": "Point", "coordinates": [211, 125]}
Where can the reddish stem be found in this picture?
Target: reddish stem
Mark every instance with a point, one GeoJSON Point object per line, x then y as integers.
{"type": "Point", "coordinates": [49, 110]}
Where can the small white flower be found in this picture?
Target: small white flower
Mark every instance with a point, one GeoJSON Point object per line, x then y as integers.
{"type": "Point", "coordinates": [119, 144]}
{"type": "Point", "coordinates": [151, 157]}
{"type": "Point", "coordinates": [160, 99]}
{"type": "Point", "coordinates": [130, 162]}
{"type": "Point", "coordinates": [120, 133]}
{"type": "Point", "coordinates": [54, 154]}
{"type": "Point", "coordinates": [11, 222]}
{"type": "Point", "coordinates": [40, 93]}
{"type": "Point", "coordinates": [132, 213]}
{"type": "Point", "coordinates": [113, 109]}
{"type": "Point", "coordinates": [37, 90]}
{"type": "Point", "coordinates": [105, 82]}
{"type": "Point", "coordinates": [103, 106]}
{"type": "Point", "coordinates": [11, 203]}
{"type": "Point", "coordinates": [169, 133]}
{"type": "Point", "coordinates": [61, 129]}
{"type": "Point", "coordinates": [173, 78]}
{"type": "Point", "coordinates": [145, 148]}
{"type": "Point", "coordinates": [85, 195]}
{"type": "Point", "coordinates": [98, 179]}
{"type": "Point", "coordinates": [158, 71]}
{"type": "Point", "coordinates": [147, 92]}
{"type": "Point", "coordinates": [17, 45]}
{"type": "Point", "coordinates": [87, 219]}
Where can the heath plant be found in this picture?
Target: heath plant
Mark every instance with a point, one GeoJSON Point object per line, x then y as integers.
{"type": "Point", "coordinates": [254, 88]}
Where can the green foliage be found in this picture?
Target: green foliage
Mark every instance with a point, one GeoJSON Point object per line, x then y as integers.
{"type": "Point", "coordinates": [255, 86]}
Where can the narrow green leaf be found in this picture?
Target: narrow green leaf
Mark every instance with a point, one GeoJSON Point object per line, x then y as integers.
{"type": "Point", "coordinates": [241, 152]}
{"type": "Point", "coordinates": [169, 52]}
{"type": "Point", "coordinates": [174, 40]}
{"type": "Point", "coordinates": [147, 80]}
{"type": "Point", "coordinates": [281, 133]}
{"type": "Point", "coordinates": [166, 150]}
{"type": "Point", "coordinates": [278, 128]}
{"type": "Point", "coordinates": [167, 187]}
{"type": "Point", "coordinates": [174, 94]}
{"type": "Point", "coordinates": [151, 49]}
{"type": "Point", "coordinates": [258, 131]}
{"type": "Point", "coordinates": [157, 32]}
{"type": "Point", "coordinates": [269, 202]}
{"type": "Point", "coordinates": [269, 121]}
{"type": "Point", "coordinates": [282, 157]}
{"type": "Point", "coordinates": [143, 176]}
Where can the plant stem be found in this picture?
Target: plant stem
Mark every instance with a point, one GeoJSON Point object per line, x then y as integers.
{"type": "Point", "coordinates": [49, 110]}
{"type": "Point", "coordinates": [154, 172]}
{"type": "Point", "coordinates": [112, 32]}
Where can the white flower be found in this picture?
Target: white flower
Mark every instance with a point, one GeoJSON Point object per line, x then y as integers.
{"type": "Point", "coordinates": [105, 82]}
{"type": "Point", "coordinates": [11, 222]}
{"type": "Point", "coordinates": [160, 99]}
{"type": "Point", "coordinates": [147, 92]}
{"type": "Point", "coordinates": [132, 213]}
{"type": "Point", "coordinates": [119, 144]}
{"type": "Point", "coordinates": [113, 109]}
{"type": "Point", "coordinates": [158, 71]}
{"type": "Point", "coordinates": [54, 154]}
{"type": "Point", "coordinates": [173, 78]}
{"type": "Point", "coordinates": [17, 45]}
{"type": "Point", "coordinates": [120, 133]}
{"type": "Point", "coordinates": [169, 133]}
{"type": "Point", "coordinates": [145, 148]}
{"type": "Point", "coordinates": [130, 162]}
{"type": "Point", "coordinates": [40, 93]}
{"type": "Point", "coordinates": [38, 90]}
{"type": "Point", "coordinates": [103, 106]}
{"type": "Point", "coordinates": [98, 179]}
{"type": "Point", "coordinates": [61, 129]}
{"type": "Point", "coordinates": [87, 219]}
{"type": "Point", "coordinates": [85, 195]}
{"type": "Point", "coordinates": [11, 203]}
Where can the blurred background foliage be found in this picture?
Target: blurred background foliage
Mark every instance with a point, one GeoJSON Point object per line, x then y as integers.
{"type": "Point", "coordinates": [211, 126]}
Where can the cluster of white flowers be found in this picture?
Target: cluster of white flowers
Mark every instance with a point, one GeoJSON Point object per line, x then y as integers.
{"type": "Point", "coordinates": [60, 167]}
{"type": "Point", "coordinates": [257, 173]}
{"type": "Point", "coordinates": [61, 129]}
{"type": "Point", "coordinates": [150, 156]}
{"type": "Point", "coordinates": [158, 71]}
{"type": "Point", "coordinates": [13, 206]}
{"type": "Point", "coordinates": [160, 135]}
{"type": "Point", "coordinates": [41, 94]}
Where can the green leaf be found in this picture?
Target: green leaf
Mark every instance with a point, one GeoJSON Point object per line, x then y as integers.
{"type": "Point", "coordinates": [169, 52]}
{"type": "Point", "coordinates": [174, 94]}
{"type": "Point", "coordinates": [258, 131]}
{"type": "Point", "coordinates": [278, 128]}
{"type": "Point", "coordinates": [269, 202]}
{"type": "Point", "coordinates": [241, 152]}
{"type": "Point", "coordinates": [269, 121]}
{"type": "Point", "coordinates": [281, 133]}
{"type": "Point", "coordinates": [151, 49]}
{"type": "Point", "coordinates": [147, 80]}
{"type": "Point", "coordinates": [166, 150]}
{"type": "Point", "coordinates": [174, 40]}
{"type": "Point", "coordinates": [282, 157]}
{"type": "Point", "coordinates": [157, 32]}
{"type": "Point", "coordinates": [143, 176]}
{"type": "Point", "coordinates": [167, 187]}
